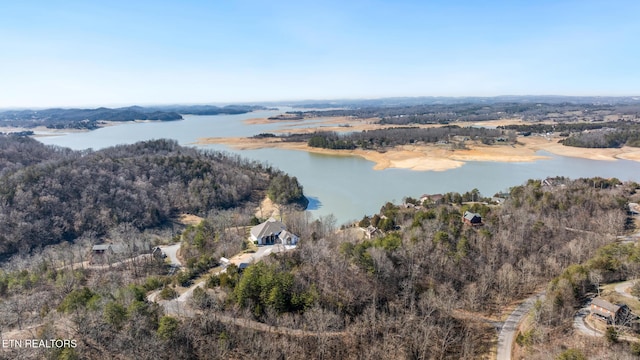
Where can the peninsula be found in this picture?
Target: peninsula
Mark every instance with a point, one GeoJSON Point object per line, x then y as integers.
{"type": "Point", "coordinates": [91, 119]}
{"type": "Point", "coordinates": [421, 156]}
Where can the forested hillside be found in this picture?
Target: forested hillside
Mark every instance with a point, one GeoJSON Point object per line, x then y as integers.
{"type": "Point", "coordinates": [427, 287]}
{"type": "Point", "coordinates": [50, 194]}
{"type": "Point", "coordinates": [407, 290]}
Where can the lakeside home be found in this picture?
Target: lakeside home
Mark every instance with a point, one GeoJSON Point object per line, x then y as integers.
{"type": "Point", "coordinates": [272, 232]}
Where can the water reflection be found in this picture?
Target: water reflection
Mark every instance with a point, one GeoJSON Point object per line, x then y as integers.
{"type": "Point", "coordinates": [314, 203]}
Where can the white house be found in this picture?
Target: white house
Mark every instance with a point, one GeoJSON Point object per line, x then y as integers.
{"type": "Point", "coordinates": [288, 238]}
{"type": "Point", "coordinates": [272, 232]}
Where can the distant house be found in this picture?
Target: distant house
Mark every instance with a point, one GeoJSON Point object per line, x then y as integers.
{"type": "Point", "coordinates": [105, 253]}
{"type": "Point", "coordinates": [547, 182]}
{"type": "Point", "coordinates": [473, 219]}
{"type": "Point", "coordinates": [498, 200]}
{"type": "Point", "coordinates": [610, 313]}
{"type": "Point", "coordinates": [431, 199]}
{"type": "Point", "coordinates": [371, 231]}
{"type": "Point", "coordinates": [272, 232]}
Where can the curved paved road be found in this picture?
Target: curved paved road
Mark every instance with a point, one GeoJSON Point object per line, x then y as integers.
{"type": "Point", "coordinates": [508, 331]}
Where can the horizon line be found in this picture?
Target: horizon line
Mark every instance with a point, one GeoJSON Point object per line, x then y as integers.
{"type": "Point", "coordinates": [307, 100]}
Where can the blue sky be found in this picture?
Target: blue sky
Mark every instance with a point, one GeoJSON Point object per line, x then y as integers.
{"type": "Point", "coordinates": [90, 53]}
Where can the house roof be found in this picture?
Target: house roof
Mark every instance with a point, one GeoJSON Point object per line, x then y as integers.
{"type": "Point", "coordinates": [468, 215]}
{"type": "Point", "coordinates": [604, 304]}
{"type": "Point", "coordinates": [285, 235]}
{"type": "Point", "coordinates": [116, 248]}
{"type": "Point", "coordinates": [269, 227]}
{"type": "Point", "coordinates": [433, 197]}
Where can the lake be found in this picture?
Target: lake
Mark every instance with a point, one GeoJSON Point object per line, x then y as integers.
{"type": "Point", "coordinates": [346, 186]}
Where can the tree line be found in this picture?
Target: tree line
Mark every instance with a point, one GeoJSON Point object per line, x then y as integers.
{"type": "Point", "coordinates": [444, 113]}
{"type": "Point", "coordinates": [613, 137]}
{"type": "Point", "coordinates": [610, 134]}
{"type": "Point", "coordinates": [390, 137]}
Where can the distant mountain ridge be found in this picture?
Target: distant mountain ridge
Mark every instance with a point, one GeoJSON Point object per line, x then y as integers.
{"type": "Point", "coordinates": [59, 118]}
{"type": "Point", "coordinates": [452, 100]}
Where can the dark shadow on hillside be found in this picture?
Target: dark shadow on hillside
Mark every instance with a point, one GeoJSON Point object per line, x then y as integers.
{"type": "Point", "coordinates": [314, 203]}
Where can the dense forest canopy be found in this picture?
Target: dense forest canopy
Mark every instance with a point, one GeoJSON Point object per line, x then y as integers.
{"type": "Point", "coordinates": [50, 194]}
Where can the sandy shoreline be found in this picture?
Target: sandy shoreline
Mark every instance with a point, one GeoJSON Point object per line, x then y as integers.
{"type": "Point", "coordinates": [41, 130]}
{"type": "Point", "coordinates": [431, 157]}
{"type": "Point", "coordinates": [413, 157]}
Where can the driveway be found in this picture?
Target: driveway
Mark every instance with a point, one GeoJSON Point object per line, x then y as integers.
{"type": "Point", "coordinates": [580, 324]}
{"type": "Point", "coordinates": [263, 250]}
{"type": "Point", "coordinates": [178, 306]}
{"type": "Point", "coordinates": [623, 286]}
{"type": "Point", "coordinates": [172, 254]}
{"type": "Point", "coordinates": [510, 326]}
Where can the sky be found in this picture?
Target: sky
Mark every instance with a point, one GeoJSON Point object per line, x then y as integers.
{"type": "Point", "coordinates": [111, 53]}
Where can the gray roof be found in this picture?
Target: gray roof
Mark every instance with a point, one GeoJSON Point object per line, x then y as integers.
{"type": "Point", "coordinates": [285, 235]}
{"type": "Point", "coordinates": [605, 305]}
{"type": "Point", "coordinates": [269, 227]}
{"type": "Point", "coordinates": [470, 216]}
{"type": "Point", "coordinates": [116, 248]}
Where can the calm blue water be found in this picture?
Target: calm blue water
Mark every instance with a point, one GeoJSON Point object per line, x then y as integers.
{"type": "Point", "coordinates": [345, 186]}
